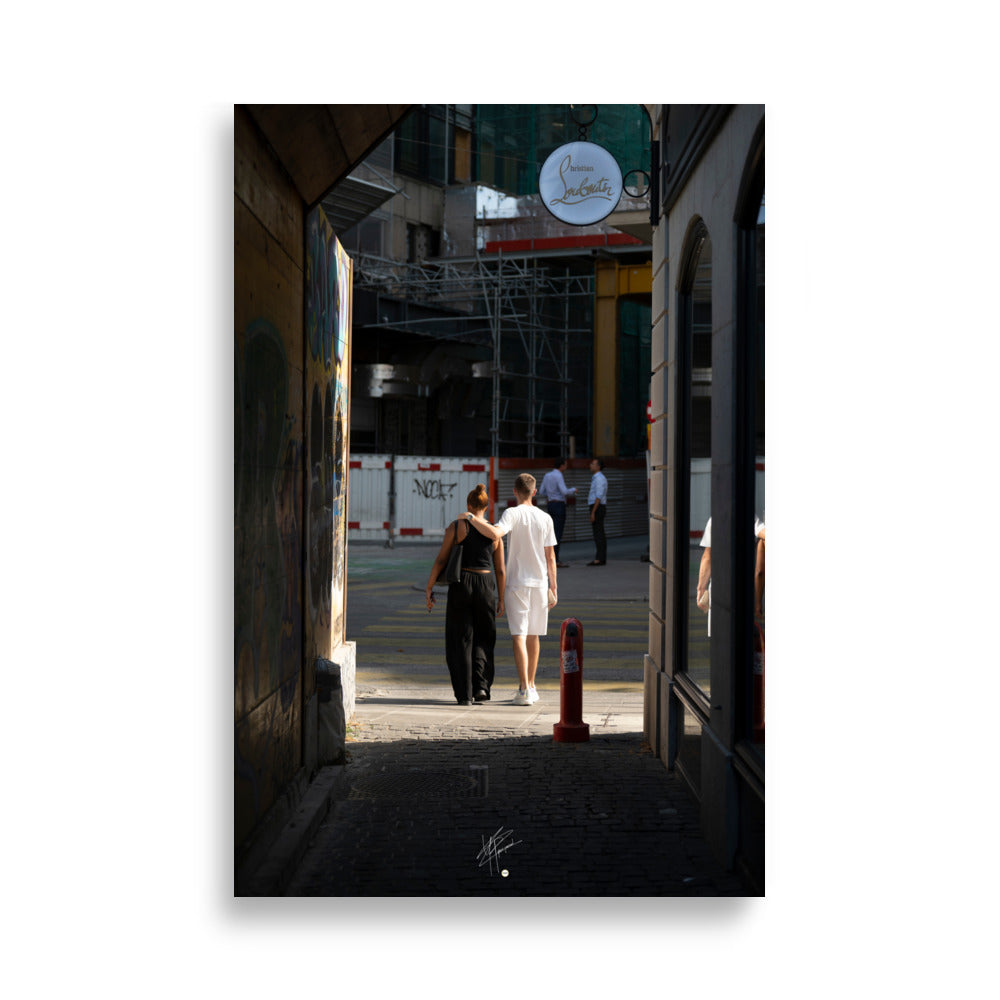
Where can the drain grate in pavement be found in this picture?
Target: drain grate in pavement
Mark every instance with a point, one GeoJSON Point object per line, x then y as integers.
{"type": "Point", "coordinates": [420, 783]}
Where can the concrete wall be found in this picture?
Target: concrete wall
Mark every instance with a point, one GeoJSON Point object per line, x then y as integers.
{"type": "Point", "coordinates": [269, 476]}
{"type": "Point", "coordinates": [421, 204]}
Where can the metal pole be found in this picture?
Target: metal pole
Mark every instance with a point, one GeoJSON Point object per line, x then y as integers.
{"type": "Point", "coordinates": [495, 430]}
{"type": "Point", "coordinates": [564, 404]}
{"type": "Point", "coordinates": [532, 355]}
{"type": "Point", "coordinates": [390, 541]}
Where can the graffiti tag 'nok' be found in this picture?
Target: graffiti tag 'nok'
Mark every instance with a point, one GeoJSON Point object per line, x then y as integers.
{"type": "Point", "coordinates": [434, 489]}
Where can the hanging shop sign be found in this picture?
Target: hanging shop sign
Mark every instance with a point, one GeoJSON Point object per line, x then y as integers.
{"type": "Point", "coordinates": [580, 183]}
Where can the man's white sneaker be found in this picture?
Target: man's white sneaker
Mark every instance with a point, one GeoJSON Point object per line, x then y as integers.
{"type": "Point", "coordinates": [532, 696]}
{"type": "Point", "coordinates": [521, 698]}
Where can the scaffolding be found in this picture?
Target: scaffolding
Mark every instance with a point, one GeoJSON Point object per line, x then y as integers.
{"type": "Point", "coordinates": [525, 308]}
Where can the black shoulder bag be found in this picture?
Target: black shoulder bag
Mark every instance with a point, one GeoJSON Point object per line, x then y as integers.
{"type": "Point", "coordinates": [453, 571]}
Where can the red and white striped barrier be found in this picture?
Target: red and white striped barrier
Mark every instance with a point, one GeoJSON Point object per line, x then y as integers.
{"type": "Point", "coordinates": [409, 498]}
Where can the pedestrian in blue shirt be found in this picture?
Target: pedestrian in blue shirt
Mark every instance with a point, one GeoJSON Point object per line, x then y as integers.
{"type": "Point", "coordinates": [597, 500]}
{"type": "Point", "coordinates": [555, 491]}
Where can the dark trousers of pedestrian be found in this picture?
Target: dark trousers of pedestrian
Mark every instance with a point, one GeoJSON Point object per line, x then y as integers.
{"type": "Point", "coordinates": [600, 539]}
{"type": "Point", "coordinates": [471, 634]}
{"type": "Point", "coordinates": [557, 511]}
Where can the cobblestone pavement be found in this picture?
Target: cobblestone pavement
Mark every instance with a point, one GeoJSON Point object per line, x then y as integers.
{"type": "Point", "coordinates": [488, 804]}
{"type": "Point", "coordinates": [448, 800]}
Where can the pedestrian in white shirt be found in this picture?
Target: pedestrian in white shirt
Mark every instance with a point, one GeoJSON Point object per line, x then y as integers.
{"type": "Point", "coordinates": [597, 500]}
{"type": "Point", "coordinates": [554, 492]}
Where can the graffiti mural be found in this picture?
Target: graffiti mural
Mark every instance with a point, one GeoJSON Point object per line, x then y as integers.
{"type": "Point", "coordinates": [434, 489]}
{"type": "Point", "coordinates": [328, 319]}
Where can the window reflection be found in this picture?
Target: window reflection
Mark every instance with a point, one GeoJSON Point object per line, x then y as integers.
{"type": "Point", "coordinates": [757, 690]}
{"type": "Point", "coordinates": [697, 319]}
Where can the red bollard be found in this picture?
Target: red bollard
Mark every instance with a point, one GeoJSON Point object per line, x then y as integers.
{"type": "Point", "coordinates": [758, 683]}
{"type": "Point", "coordinates": [571, 728]}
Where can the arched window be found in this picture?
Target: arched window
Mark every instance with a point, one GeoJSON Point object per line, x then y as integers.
{"type": "Point", "coordinates": [694, 359]}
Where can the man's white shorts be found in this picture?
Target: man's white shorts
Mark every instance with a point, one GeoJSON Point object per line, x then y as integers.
{"type": "Point", "coordinates": [527, 610]}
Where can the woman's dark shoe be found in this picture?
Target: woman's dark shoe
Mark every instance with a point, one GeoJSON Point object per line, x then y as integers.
{"type": "Point", "coordinates": [482, 696]}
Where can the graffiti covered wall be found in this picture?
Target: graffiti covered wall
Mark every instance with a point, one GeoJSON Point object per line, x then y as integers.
{"type": "Point", "coordinates": [269, 480]}
{"type": "Point", "coordinates": [328, 325]}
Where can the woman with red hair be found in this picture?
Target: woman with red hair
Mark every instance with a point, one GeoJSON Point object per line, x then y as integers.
{"type": "Point", "coordinates": [471, 616]}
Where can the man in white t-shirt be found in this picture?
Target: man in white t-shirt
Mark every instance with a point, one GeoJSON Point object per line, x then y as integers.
{"type": "Point", "coordinates": [531, 574]}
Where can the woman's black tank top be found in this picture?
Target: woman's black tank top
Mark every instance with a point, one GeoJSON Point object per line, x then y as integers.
{"type": "Point", "coordinates": [477, 550]}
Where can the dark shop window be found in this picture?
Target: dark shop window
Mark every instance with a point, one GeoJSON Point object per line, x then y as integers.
{"type": "Point", "coordinates": [694, 613]}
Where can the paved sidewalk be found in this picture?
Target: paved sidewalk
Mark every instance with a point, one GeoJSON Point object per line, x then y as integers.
{"type": "Point", "coordinates": [448, 800]}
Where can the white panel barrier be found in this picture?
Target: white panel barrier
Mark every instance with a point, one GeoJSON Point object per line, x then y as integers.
{"type": "Point", "coordinates": [403, 498]}
{"type": "Point", "coordinates": [368, 515]}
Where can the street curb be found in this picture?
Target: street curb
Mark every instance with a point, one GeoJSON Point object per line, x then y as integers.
{"type": "Point", "coordinates": [275, 872]}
